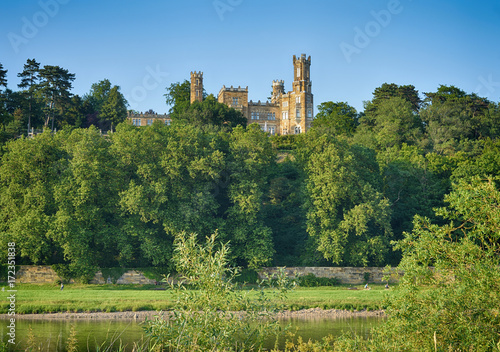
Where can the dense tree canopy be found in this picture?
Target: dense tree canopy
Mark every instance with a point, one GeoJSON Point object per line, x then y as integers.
{"type": "Point", "coordinates": [336, 118]}
{"type": "Point", "coordinates": [335, 196]}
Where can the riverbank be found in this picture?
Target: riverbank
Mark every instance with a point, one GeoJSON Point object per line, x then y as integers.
{"type": "Point", "coordinates": [312, 313]}
{"type": "Point", "coordinates": [134, 300]}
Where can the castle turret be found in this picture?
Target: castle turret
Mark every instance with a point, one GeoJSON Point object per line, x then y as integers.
{"type": "Point", "coordinates": [196, 86]}
{"type": "Point", "coordinates": [278, 91]}
{"type": "Point", "coordinates": [301, 76]}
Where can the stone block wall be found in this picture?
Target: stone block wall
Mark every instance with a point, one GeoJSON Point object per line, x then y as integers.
{"type": "Point", "coordinates": [40, 274]}
{"type": "Point", "coordinates": [36, 274]}
{"type": "Point", "coordinates": [346, 275]}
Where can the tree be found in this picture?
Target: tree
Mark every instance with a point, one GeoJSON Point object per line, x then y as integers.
{"type": "Point", "coordinates": [87, 223]}
{"type": "Point", "coordinates": [29, 174]}
{"type": "Point", "coordinates": [211, 112]}
{"type": "Point", "coordinates": [347, 216]}
{"type": "Point", "coordinates": [448, 298]}
{"type": "Point", "coordinates": [178, 97]}
{"type": "Point", "coordinates": [29, 81]}
{"type": "Point", "coordinates": [336, 118]}
{"type": "Point", "coordinates": [55, 85]}
{"type": "Point", "coordinates": [392, 123]}
{"type": "Point", "coordinates": [453, 117]}
{"type": "Point", "coordinates": [114, 110]}
{"type": "Point", "coordinates": [392, 90]}
{"type": "Point", "coordinates": [109, 106]}
{"type": "Point", "coordinates": [3, 83]}
{"type": "Point", "coordinates": [170, 173]}
{"type": "Point", "coordinates": [412, 184]}
{"type": "Point", "coordinates": [251, 157]}
{"type": "Point", "coordinates": [3, 77]}
{"type": "Point", "coordinates": [283, 213]}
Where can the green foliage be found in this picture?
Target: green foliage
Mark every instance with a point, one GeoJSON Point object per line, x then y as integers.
{"type": "Point", "coordinates": [251, 158]}
{"type": "Point", "coordinates": [247, 276]}
{"type": "Point", "coordinates": [107, 104]}
{"type": "Point", "coordinates": [286, 142]}
{"type": "Point", "coordinates": [113, 273]}
{"type": "Point", "coordinates": [211, 112]}
{"type": "Point", "coordinates": [392, 123]}
{"type": "Point", "coordinates": [202, 320]}
{"type": "Point", "coordinates": [178, 97]}
{"type": "Point", "coordinates": [449, 293]}
{"type": "Point", "coordinates": [336, 118]}
{"type": "Point", "coordinates": [348, 217]}
{"type": "Point", "coordinates": [311, 280]}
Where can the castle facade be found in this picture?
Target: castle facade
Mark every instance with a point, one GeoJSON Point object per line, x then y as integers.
{"type": "Point", "coordinates": [286, 113]}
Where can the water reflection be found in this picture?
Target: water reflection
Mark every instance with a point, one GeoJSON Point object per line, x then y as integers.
{"type": "Point", "coordinates": [52, 335]}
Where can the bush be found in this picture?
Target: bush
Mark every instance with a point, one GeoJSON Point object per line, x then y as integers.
{"type": "Point", "coordinates": [204, 319]}
{"type": "Point", "coordinates": [247, 276]}
{"type": "Point", "coordinates": [311, 280]}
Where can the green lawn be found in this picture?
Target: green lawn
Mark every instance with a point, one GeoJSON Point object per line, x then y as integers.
{"type": "Point", "coordinates": [112, 298]}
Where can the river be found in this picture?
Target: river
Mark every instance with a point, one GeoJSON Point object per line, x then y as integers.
{"type": "Point", "coordinates": [52, 335]}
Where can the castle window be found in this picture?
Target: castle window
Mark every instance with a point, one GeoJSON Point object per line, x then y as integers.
{"type": "Point", "coordinates": [235, 100]}
{"type": "Point", "coordinates": [309, 113]}
{"type": "Point", "coordinates": [285, 115]}
{"type": "Point", "coordinates": [273, 116]}
{"type": "Point", "coordinates": [150, 122]}
{"type": "Point", "coordinates": [298, 72]}
{"type": "Point", "coordinates": [167, 122]}
{"type": "Point", "coordinates": [257, 115]}
{"type": "Point", "coordinates": [136, 122]}
{"type": "Point", "coordinates": [271, 130]}
{"type": "Point", "coordinates": [297, 100]}
{"type": "Point", "coordinates": [297, 113]}
{"type": "Point", "coordinates": [197, 82]}
{"type": "Point", "coordinates": [297, 129]}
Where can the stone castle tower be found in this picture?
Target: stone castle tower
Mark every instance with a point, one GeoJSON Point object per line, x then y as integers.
{"type": "Point", "coordinates": [196, 86]}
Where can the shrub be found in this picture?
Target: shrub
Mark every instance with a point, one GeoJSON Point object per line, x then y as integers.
{"type": "Point", "coordinates": [203, 319]}
{"type": "Point", "coordinates": [311, 280]}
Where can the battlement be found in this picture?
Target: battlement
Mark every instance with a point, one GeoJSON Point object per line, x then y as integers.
{"type": "Point", "coordinates": [197, 74]}
{"type": "Point", "coordinates": [132, 114]}
{"type": "Point", "coordinates": [302, 59]}
{"type": "Point", "coordinates": [259, 103]}
{"type": "Point", "coordinates": [233, 89]}
{"type": "Point", "coordinates": [278, 83]}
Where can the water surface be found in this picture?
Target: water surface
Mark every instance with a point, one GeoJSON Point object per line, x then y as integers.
{"type": "Point", "coordinates": [52, 335]}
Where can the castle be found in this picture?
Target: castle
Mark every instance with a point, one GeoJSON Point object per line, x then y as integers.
{"type": "Point", "coordinates": [286, 113]}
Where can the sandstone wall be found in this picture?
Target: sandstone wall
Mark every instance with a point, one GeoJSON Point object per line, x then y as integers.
{"type": "Point", "coordinates": [346, 275]}
{"type": "Point", "coordinates": [36, 274]}
{"type": "Point", "coordinates": [39, 274]}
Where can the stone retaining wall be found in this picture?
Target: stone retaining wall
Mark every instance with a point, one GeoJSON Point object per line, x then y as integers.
{"type": "Point", "coordinates": [39, 274]}
{"type": "Point", "coordinates": [346, 275]}
{"type": "Point", "coordinates": [36, 274]}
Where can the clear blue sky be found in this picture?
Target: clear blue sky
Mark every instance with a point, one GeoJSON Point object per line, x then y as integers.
{"type": "Point", "coordinates": [144, 46]}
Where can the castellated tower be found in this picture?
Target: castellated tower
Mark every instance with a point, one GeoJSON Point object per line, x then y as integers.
{"type": "Point", "coordinates": [196, 86]}
{"type": "Point", "coordinates": [302, 74]}
{"type": "Point", "coordinates": [278, 91]}
{"type": "Point", "coordinates": [299, 108]}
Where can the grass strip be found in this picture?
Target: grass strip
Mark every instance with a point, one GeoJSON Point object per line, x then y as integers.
{"type": "Point", "coordinates": [118, 298]}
